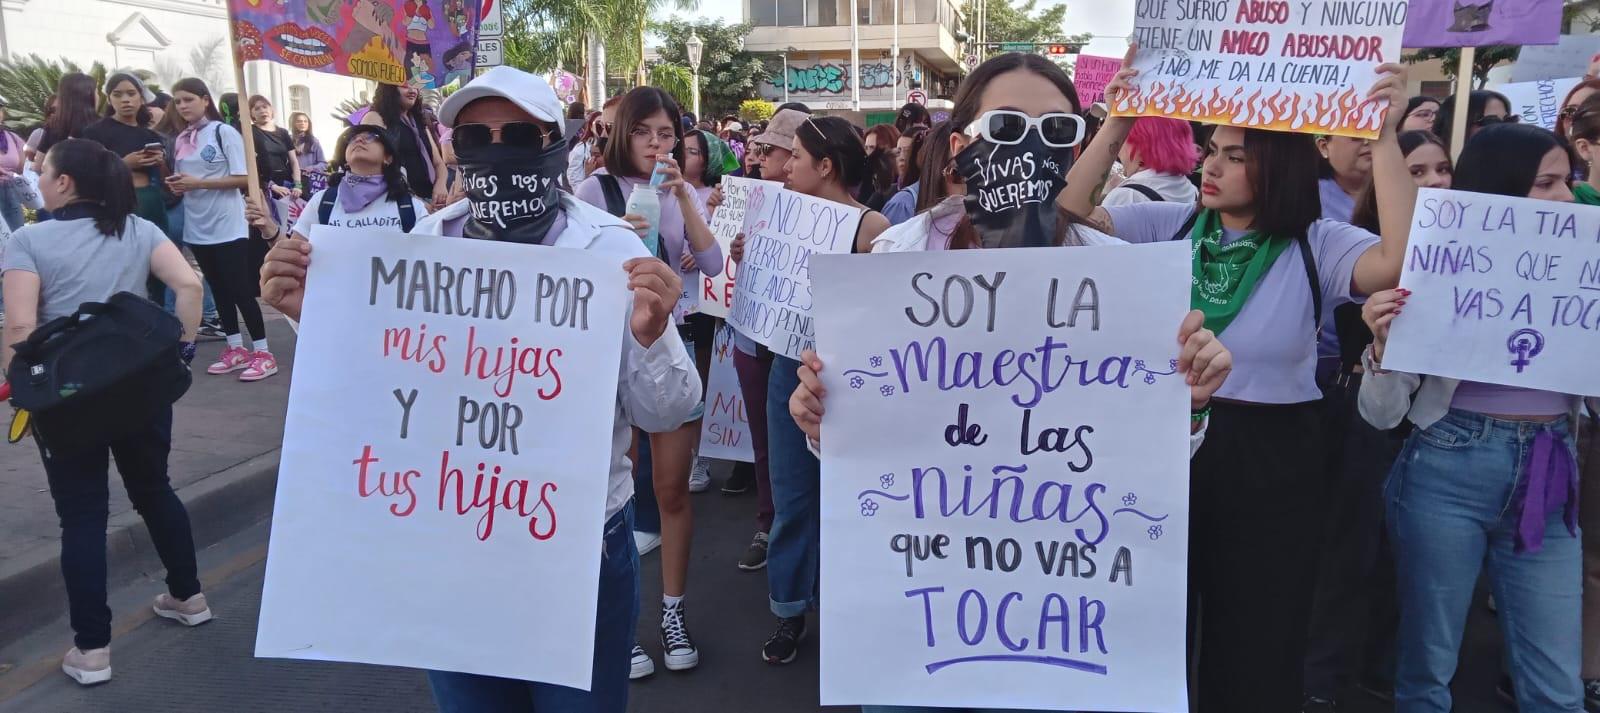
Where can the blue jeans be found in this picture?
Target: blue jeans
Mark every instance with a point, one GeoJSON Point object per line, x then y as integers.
{"type": "Point", "coordinates": [615, 618]}
{"type": "Point", "coordinates": [175, 234]}
{"type": "Point", "coordinates": [1449, 502]}
{"type": "Point", "coordinates": [11, 203]}
{"type": "Point", "coordinates": [796, 499]}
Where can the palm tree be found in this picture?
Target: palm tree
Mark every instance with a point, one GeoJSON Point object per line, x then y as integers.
{"type": "Point", "coordinates": [629, 20]}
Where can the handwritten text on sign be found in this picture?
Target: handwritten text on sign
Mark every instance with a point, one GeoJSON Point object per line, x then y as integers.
{"type": "Point", "coordinates": [783, 230]}
{"type": "Point", "coordinates": [1300, 66]}
{"type": "Point", "coordinates": [716, 296]}
{"type": "Point", "coordinates": [725, 430]}
{"type": "Point", "coordinates": [449, 430]}
{"type": "Point", "coordinates": [1504, 290]}
{"type": "Point", "coordinates": [1004, 478]}
{"type": "Point", "coordinates": [1538, 102]}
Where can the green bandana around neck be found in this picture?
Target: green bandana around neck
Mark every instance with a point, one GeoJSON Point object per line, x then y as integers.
{"type": "Point", "coordinates": [1225, 275]}
{"type": "Point", "coordinates": [1584, 193]}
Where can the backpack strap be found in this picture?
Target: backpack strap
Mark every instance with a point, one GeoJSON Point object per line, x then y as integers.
{"type": "Point", "coordinates": [221, 149]}
{"type": "Point", "coordinates": [1145, 191]}
{"type": "Point", "coordinates": [325, 208]}
{"type": "Point", "coordinates": [615, 203]}
{"type": "Point", "coordinates": [1316, 283]}
{"type": "Point", "coordinates": [1188, 225]}
{"type": "Point", "coordinates": [408, 214]}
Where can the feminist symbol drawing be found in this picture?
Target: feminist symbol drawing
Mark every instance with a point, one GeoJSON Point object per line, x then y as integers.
{"type": "Point", "coordinates": [1524, 345]}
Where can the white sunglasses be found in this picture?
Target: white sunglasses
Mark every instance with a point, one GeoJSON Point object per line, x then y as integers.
{"type": "Point", "coordinates": [1004, 126]}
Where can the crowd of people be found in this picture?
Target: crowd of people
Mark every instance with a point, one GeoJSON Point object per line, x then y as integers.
{"type": "Point", "coordinates": [1375, 499]}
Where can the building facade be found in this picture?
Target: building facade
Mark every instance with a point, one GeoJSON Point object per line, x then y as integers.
{"type": "Point", "coordinates": [812, 39]}
{"type": "Point", "coordinates": [173, 39]}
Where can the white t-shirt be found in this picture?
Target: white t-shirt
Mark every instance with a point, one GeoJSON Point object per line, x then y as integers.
{"type": "Point", "coordinates": [214, 215]}
{"type": "Point", "coordinates": [1171, 188]}
{"type": "Point", "coordinates": [380, 213]}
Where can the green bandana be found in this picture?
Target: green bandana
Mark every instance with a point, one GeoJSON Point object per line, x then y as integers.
{"type": "Point", "coordinates": [1585, 194]}
{"type": "Point", "coordinates": [1224, 275]}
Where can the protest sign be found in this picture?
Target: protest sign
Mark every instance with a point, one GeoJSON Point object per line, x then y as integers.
{"type": "Point", "coordinates": [1287, 66]}
{"type": "Point", "coordinates": [725, 430]}
{"type": "Point", "coordinates": [1538, 102]}
{"type": "Point", "coordinates": [447, 449]}
{"type": "Point", "coordinates": [425, 43]}
{"type": "Point", "coordinates": [1570, 57]}
{"type": "Point", "coordinates": [783, 230]}
{"type": "Point", "coordinates": [1005, 478]}
{"type": "Point", "coordinates": [716, 295]}
{"type": "Point", "coordinates": [1477, 23]}
{"type": "Point", "coordinates": [1503, 290]}
{"type": "Point", "coordinates": [1091, 75]}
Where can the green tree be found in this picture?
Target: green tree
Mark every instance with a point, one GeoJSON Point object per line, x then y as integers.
{"type": "Point", "coordinates": [542, 35]}
{"type": "Point", "coordinates": [728, 74]}
{"type": "Point", "coordinates": [1022, 21]}
{"type": "Point", "coordinates": [27, 83]}
{"type": "Point", "coordinates": [1485, 59]}
{"type": "Point", "coordinates": [753, 110]}
{"type": "Point", "coordinates": [673, 79]}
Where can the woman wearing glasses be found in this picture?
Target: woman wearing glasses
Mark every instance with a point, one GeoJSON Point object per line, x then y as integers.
{"type": "Point", "coordinates": [1484, 108]}
{"type": "Point", "coordinates": [1420, 114]}
{"type": "Point", "coordinates": [647, 138]}
{"type": "Point", "coordinates": [1267, 269]}
{"type": "Point", "coordinates": [1013, 107]}
{"type": "Point", "coordinates": [366, 189]}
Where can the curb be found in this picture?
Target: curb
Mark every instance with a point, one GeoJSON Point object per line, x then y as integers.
{"type": "Point", "coordinates": [219, 505]}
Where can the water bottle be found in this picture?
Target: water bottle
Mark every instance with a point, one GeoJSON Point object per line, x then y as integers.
{"type": "Point", "coordinates": [644, 201]}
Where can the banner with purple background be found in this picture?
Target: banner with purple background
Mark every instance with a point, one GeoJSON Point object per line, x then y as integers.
{"type": "Point", "coordinates": [1475, 23]}
{"type": "Point", "coordinates": [425, 43]}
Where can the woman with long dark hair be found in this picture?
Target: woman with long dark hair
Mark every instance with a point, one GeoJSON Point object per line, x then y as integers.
{"type": "Point", "coordinates": [648, 139]}
{"type": "Point", "coordinates": [908, 169]}
{"type": "Point", "coordinates": [124, 131]}
{"type": "Point", "coordinates": [94, 249]}
{"type": "Point", "coordinates": [1420, 114]}
{"type": "Point", "coordinates": [210, 172]}
{"type": "Point", "coordinates": [910, 116]}
{"type": "Point", "coordinates": [1268, 269]}
{"type": "Point", "coordinates": [400, 111]}
{"type": "Point", "coordinates": [366, 189]}
{"type": "Point", "coordinates": [276, 162]}
{"type": "Point", "coordinates": [1462, 493]}
{"type": "Point", "coordinates": [1484, 108]}
{"type": "Point", "coordinates": [307, 149]}
{"type": "Point", "coordinates": [75, 111]}
{"type": "Point", "coordinates": [882, 180]}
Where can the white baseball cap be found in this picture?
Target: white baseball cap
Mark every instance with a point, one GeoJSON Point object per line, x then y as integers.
{"type": "Point", "coordinates": [530, 92]}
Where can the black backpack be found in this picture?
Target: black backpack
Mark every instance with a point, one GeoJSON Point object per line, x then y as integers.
{"type": "Point", "coordinates": [100, 373]}
{"type": "Point", "coordinates": [408, 212]}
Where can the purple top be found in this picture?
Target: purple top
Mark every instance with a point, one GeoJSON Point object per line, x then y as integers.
{"type": "Point", "coordinates": [674, 237]}
{"type": "Point", "coordinates": [1509, 400]}
{"type": "Point", "coordinates": [1336, 204]}
{"type": "Point", "coordinates": [1272, 339]}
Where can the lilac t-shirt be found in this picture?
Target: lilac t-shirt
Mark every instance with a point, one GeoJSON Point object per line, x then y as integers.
{"type": "Point", "coordinates": [1336, 204]}
{"type": "Point", "coordinates": [1273, 339]}
{"type": "Point", "coordinates": [674, 237]}
{"type": "Point", "coordinates": [1509, 400]}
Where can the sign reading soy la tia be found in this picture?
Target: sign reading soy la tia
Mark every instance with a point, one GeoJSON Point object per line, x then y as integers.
{"type": "Point", "coordinates": [1005, 478]}
{"type": "Point", "coordinates": [448, 439]}
{"type": "Point", "coordinates": [1503, 290]}
{"type": "Point", "coordinates": [1305, 65]}
{"type": "Point", "coordinates": [773, 295]}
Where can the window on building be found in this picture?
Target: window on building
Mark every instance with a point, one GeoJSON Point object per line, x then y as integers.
{"type": "Point", "coordinates": [763, 13]}
{"type": "Point", "coordinates": [300, 98]}
{"type": "Point", "coordinates": [791, 13]}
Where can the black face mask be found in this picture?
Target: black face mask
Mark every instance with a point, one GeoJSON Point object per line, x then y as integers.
{"type": "Point", "coordinates": [514, 192]}
{"type": "Point", "coordinates": [1012, 189]}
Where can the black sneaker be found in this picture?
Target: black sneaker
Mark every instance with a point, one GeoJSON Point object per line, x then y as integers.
{"type": "Point", "coordinates": [785, 642]}
{"type": "Point", "coordinates": [677, 649]}
{"type": "Point", "coordinates": [1313, 704]}
{"type": "Point", "coordinates": [210, 330]}
{"type": "Point", "coordinates": [755, 558]}
{"type": "Point", "coordinates": [1591, 695]}
{"type": "Point", "coordinates": [1507, 693]}
{"type": "Point", "coordinates": [740, 480]}
{"type": "Point", "coordinates": [1381, 690]}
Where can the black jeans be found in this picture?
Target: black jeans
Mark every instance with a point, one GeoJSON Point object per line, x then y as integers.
{"type": "Point", "coordinates": [233, 270]}
{"type": "Point", "coordinates": [78, 484]}
{"type": "Point", "coordinates": [1255, 509]}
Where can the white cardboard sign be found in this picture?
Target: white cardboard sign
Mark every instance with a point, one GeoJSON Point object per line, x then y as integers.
{"type": "Point", "coordinates": [1503, 290]}
{"type": "Point", "coordinates": [442, 490]}
{"type": "Point", "coordinates": [1568, 58]}
{"type": "Point", "coordinates": [1005, 478]}
{"type": "Point", "coordinates": [773, 295]}
{"type": "Point", "coordinates": [725, 430]}
{"type": "Point", "coordinates": [716, 293]}
{"type": "Point", "coordinates": [1538, 102]}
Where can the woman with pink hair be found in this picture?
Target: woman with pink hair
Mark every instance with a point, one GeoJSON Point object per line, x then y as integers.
{"type": "Point", "coordinates": [1157, 160]}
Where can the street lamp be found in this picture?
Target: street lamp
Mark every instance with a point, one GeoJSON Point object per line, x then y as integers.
{"type": "Point", "coordinates": [695, 47]}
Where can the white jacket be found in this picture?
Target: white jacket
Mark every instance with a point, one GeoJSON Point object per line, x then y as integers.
{"type": "Point", "coordinates": [657, 388]}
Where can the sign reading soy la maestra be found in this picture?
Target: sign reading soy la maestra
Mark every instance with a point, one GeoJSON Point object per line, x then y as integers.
{"type": "Point", "coordinates": [1304, 66]}
{"type": "Point", "coordinates": [447, 448]}
{"type": "Point", "coordinates": [1005, 478]}
{"type": "Point", "coordinates": [1503, 290]}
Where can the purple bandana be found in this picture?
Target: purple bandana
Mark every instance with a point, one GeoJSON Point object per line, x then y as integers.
{"type": "Point", "coordinates": [358, 192]}
{"type": "Point", "coordinates": [1550, 486]}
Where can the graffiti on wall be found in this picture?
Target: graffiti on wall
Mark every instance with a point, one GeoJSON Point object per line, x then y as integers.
{"type": "Point", "coordinates": [833, 79]}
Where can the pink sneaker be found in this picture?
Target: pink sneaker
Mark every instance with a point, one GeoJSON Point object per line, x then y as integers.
{"type": "Point", "coordinates": [190, 612]}
{"type": "Point", "coordinates": [232, 359]}
{"type": "Point", "coordinates": [88, 667]}
{"type": "Point", "coordinates": [262, 365]}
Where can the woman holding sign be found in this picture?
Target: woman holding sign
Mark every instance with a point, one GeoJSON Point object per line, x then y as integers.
{"type": "Point", "coordinates": [1267, 270]}
{"type": "Point", "coordinates": [1014, 107]}
{"type": "Point", "coordinates": [644, 156]}
{"type": "Point", "coordinates": [1487, 474]}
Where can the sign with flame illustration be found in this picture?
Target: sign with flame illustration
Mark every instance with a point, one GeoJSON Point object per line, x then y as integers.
{"type": "Point", "coordinates": [425, 43]}
{"type": "Point", "coordinates": [1265, 64]}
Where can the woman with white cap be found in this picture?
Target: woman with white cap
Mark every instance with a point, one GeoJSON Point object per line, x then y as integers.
{"type": "Point", "coordinates": [508, 122]}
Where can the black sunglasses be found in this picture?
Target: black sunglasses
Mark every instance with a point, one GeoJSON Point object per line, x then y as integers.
{"type": "Point", "coordinates": [512, 133]}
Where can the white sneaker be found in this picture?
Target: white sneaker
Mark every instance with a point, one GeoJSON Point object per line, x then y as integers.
{"type": "Point", "coordinates": [642, 665]}
{"type": "Point", "coordinates": [87, 667]}
{"type": "Point", "coordinates": [700, 477]}
{"type": "Point", "coordinates": [647, 542]}
{"type": "Point", "coordinates": [677, 648]}
{"type": "Point", "coordinates": [190, 612]}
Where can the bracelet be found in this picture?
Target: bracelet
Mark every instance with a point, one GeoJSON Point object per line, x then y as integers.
{"type": "Point", "coordinates": [1197, 417]}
